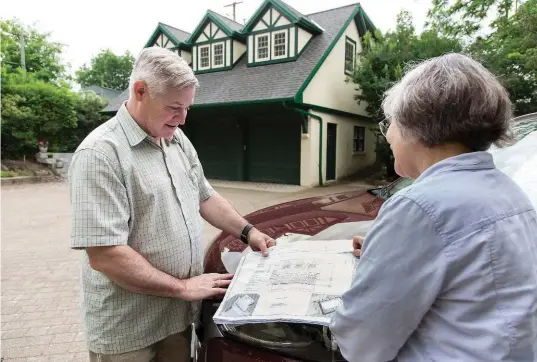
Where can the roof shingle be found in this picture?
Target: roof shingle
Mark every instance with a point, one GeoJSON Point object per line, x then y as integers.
{"type": "Point", "coordinates": [265, 82]}
{"type": "Point", "coordinates": [179, 34]}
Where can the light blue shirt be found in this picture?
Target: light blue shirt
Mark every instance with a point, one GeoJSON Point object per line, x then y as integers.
{"type": "Point", "coordinates": [448, 272]}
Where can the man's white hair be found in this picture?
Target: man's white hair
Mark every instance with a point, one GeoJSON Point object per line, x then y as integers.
{"type": "Point", "coordinates": [161, 69]}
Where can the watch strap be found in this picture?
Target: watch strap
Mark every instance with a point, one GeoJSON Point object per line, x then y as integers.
{"type": "Point", "coordinates": [244, 233]}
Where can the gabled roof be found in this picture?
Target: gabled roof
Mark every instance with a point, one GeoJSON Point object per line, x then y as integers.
{"type": "Point", "coordinates": [107, 93]}
{"type": "Point", "coordinates": [177, 36]}
{"type": "Point", "coordinates": [279, 81]}
{"type": "Point", "coordinates": [290, 13]}
{"type": "Point", "coordinates": [228, 26]}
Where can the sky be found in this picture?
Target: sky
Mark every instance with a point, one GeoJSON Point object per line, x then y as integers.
{"type": "Point", "coordinates": [86, 27]}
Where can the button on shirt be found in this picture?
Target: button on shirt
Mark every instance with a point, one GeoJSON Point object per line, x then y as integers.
{"type": "Point", "coordinates": [448, 272]}
{"type": "Point", "coordinates": [127, 189]}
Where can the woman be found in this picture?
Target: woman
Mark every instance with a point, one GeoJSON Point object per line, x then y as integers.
{"type": "Point", "coordinates": [448, 271]}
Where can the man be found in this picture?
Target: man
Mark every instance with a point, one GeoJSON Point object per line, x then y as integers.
{"type": "Point", "coordinates": [138, 195]}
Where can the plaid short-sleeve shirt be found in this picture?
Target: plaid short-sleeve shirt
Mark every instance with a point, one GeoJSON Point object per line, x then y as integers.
{"type": "Point", "coordinates": [127, 189]}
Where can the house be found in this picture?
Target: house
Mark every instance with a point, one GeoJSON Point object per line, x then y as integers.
{"type": "Point", "coordinates": [273, 103]}
{"type": "Point", "coordinates": [108, 94]}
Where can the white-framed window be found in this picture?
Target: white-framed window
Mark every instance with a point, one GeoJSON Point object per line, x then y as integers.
{"type": "Point", "coordinates": [218, 55]}
{"type": "Point", "coordinates": [350, 55]}
{"type": "Point", "coordinates": [205, 58]}
{"type": "Point", "coordinates": [279, 44]}
{"type": "Point", "coordinates": [262, 47]}
{"type": "Point", "coordinates": [359, 139]}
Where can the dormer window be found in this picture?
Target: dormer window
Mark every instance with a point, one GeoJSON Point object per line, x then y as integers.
{"type": "Point", "coordinates": [216, 44]}
{"type": "Point", "coordinates": [205, 62]}
{"type": "Point", "coordinates": [277, 33]}
{"type": "Point", "coordinates": [218, 55]}
{"type": "Point", "coordinates": [279, 42]}
{"type": "Point", "coordinates": [350, 55]}
{"type": "Point", "coordinates": [262, 47]}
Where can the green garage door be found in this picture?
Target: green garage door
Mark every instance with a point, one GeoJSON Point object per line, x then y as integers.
{"type": "Point", "coordinates": [273, 149]}
{"type": "Point", "coordinates": [220, 147]}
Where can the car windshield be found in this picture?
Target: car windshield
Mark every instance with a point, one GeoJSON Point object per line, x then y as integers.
{"type": "Point", "coordinates": [388, 191]}
{"type": "Point", "coordinates": [524, 128]}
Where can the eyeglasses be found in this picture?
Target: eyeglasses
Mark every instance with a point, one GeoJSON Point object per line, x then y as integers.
{"type": "Point", "coordinates": [384, 125]}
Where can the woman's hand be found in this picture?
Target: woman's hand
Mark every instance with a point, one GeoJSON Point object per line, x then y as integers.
{"type": "Point", "coordinates": [357, 242]}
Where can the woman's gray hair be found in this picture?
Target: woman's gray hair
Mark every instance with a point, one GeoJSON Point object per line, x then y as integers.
{"type": "Point", "coordinates": [161, 69]}
{"type": "Point", "coordinates": [451, 99]}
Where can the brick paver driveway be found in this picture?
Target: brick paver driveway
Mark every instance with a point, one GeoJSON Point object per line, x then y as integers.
{"type": "Point", "coordinates": [40, 274]}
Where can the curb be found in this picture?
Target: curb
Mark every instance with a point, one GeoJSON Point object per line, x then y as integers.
{"type": "Point", "coordinates": [18, 180]}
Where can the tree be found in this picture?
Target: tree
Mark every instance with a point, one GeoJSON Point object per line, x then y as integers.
{"type": "Point", "coordinates": [466, 17]}
{"type": "Point", "coordinates": [384, 58]}
{"type": "Point", "coordinates": [107, 70]}
{"type": "Point", "coordinates": [33, 110]}
{"type": "Point", "coordinates": [87, 107]}
{"type": "Point", "coordinates": [42, 57]}
{"type": "Point", "coordinates": [511, 54]}
{"type": "Point", "coordinates": [382, 62]}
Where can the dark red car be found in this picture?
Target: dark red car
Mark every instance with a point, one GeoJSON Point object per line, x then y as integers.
{"type": "Point", "coordinates": [286, 342]}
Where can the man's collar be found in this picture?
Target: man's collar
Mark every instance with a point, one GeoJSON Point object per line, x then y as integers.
{"type": "Point", "coordinates": [135, 134]}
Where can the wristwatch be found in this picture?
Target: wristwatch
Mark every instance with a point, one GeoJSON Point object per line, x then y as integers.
{"type": "Point", "coordinates": [244, 233]}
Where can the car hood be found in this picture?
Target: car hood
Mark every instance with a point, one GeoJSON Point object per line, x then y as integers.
{"type": "Point", "coordinates": [317, 216]}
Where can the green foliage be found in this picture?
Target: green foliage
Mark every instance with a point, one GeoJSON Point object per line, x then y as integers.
{"type": "Point", "coordinates": [38, 104]}
{"type": "Point", "coordinates": [107, 70]}
{"type": "Point", "coordinates": [511, 53]}
{"type": "Point", "coordinates": [87, 107]}
{"type": "Point", "coordinates": [33, 110]}
{"type": "Point", "coordinates": [384, 58]}
{"type": "Point", "coordinates": [42, 56]}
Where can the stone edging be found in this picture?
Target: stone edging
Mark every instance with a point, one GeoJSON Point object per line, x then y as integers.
{"type": "Point", "coordinates": [17, 180]}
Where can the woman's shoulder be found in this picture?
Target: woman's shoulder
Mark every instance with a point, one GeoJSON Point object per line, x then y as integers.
{"type": "Point", "coordinates": [464, 200]}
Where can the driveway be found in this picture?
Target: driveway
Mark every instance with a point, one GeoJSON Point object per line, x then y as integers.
{"type": "Point", "coordinates": [41, 318]}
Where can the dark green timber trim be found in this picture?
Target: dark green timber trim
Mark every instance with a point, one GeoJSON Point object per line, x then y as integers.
{"type": "Point", "coordinates": [269, 34]}
{"type": "Point", "coordinates": [347, 39]}
{"type": "Point", "coordinates": [272, 28]}
{"type": "Point", "coordinates": [210, 16]}
{"type": "Point", "coordinates": [161, 29]}
{"type": "Point", "coordinates": [239, 103]}
{"type": "Point", "coordinates": [307, 114]}
{"type": "Point", "coordinates": [210, 43]}
{"type": "Point", "coordinates": [282, 8]}
{"type": "Point", "coordinates": [337, 112]}
{"type": "Point", "coordinates": [299, 97]}
{"type": "Point", "coordinates": [212, 70]}
{"type": "Point", "coordinates": [296, 41]}
{"type": "Point", "coordinates": [275, 61]}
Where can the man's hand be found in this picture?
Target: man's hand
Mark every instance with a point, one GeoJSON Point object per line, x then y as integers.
{"type": "Point", "coordinates": [259, 241]}
{"type": "Point", "coordinates": [357, 242]}
{"type": "Point", "coordinates": [205, 286]}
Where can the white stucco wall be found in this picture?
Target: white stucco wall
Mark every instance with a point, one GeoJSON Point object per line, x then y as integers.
{"type": "Point", "coordinates": [303, 38]}
{"type": "Point", "coordinates": [186, 55]}
{"type": "Point", "coordinates": [219, 33]}
{"type": "Point", "coordinates": [347, 161]}
{"type": "Point", "coordinates": [250, 48]}
{"type": "Point", "coordinates": [238, 50]}
{"type": "Point", "coordinates": [328, 87]}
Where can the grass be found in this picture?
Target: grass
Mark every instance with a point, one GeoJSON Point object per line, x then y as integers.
{"type": "Point", "coordinates": [16, 173]}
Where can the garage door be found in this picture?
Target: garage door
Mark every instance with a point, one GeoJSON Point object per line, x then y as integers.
{"type": "Point", "coordinates": [273, 149]}
{"type": "Point", "coordinates": [220, 147]}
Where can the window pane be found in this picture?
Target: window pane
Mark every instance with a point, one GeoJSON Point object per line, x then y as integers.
{"type": "Point", "coordinates": [280, 44]}
{"type": "Point", "coordinates": [204, 57]}
{"type": "Point", "coordinates": [349, 56]}
{"type": "Point", "coordinates": [218, 54]}
{"type": "Point", "coordinates": [359, 139]}
{"type": "Point", "coordinates": [262, 47]}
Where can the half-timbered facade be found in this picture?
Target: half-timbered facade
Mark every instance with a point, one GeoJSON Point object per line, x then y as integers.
{"type": "Point", "coordinates": [274, 103]}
